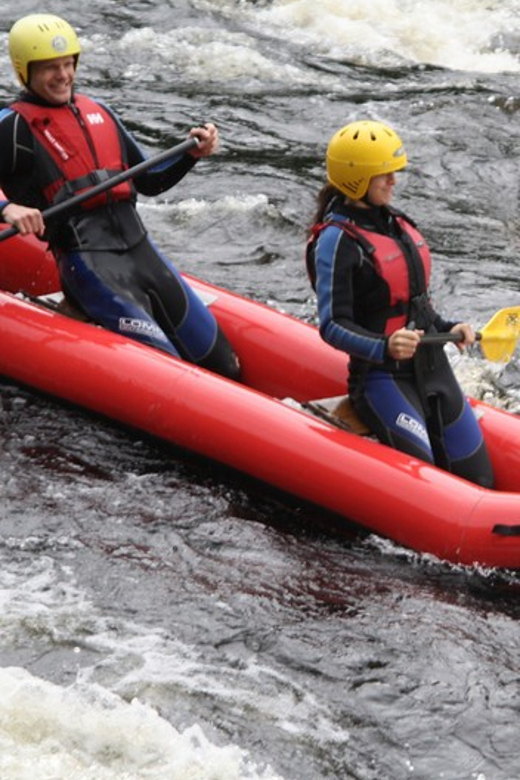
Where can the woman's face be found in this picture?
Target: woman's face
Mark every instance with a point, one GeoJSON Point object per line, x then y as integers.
{"type": "Point", "coordinates": [381, 189]}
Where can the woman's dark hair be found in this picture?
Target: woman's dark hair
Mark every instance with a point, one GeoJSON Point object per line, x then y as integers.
{"type": "Point", "coordinates": [324, 198]}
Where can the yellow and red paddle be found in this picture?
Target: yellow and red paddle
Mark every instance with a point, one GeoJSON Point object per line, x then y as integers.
{"type": "Point", "coordinates": [497, 339]}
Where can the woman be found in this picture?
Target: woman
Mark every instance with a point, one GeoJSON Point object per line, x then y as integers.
{"type": "Point", "coordinates": [370, 268]}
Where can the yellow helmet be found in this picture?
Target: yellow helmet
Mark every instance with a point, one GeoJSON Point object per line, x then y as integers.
{"type": "Point", "coordinates": [360, 151]}
{"type": "Point", "coordinates": [40, 37]}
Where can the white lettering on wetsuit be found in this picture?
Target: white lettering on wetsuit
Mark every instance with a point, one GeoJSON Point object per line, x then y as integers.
{"type": "Point", "coordinates": [412, 426]}
{"type": "Point", "coordinates": [134, 325]}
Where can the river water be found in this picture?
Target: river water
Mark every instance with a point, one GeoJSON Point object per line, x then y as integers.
{"type": "Point", "coordinates": [164, 619]}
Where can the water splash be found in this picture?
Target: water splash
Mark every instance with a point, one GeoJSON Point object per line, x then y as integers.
{"type": "Point", "coordinates": [51, 732]}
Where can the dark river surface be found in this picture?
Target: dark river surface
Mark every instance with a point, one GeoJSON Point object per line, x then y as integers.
{"type": "Point", "coordinates": [162, 618]}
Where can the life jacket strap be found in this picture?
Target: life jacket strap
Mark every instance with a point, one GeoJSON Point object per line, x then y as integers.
{"type": "Point", "coordinates": [71, 188]}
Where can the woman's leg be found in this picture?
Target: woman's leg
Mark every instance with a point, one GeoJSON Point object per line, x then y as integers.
{"type": "Point", "coordinates": [461, 437]}
{"type": "Point", "coordinates": [390, 406]}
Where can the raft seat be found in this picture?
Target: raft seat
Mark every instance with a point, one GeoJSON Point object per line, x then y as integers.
{"type": "Point", "coordinates": [337, 410]}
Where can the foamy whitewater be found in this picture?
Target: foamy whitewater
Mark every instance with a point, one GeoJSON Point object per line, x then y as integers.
{"type": "Point", "coordinates": [465, 34]}
{"type": "Point", "coordinates": [84, 731]}
{"type": "Point", "coordinates": [87, 733]}
{"type": "Point", "coordinates": [458, 35]}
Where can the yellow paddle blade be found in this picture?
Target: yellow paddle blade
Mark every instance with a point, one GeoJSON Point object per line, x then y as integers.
{"type": "Point", "coordinates": [499, 337]}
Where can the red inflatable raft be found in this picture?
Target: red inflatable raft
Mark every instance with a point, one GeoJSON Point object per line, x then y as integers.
{"type": "Point", "coordinates": [249, 426]}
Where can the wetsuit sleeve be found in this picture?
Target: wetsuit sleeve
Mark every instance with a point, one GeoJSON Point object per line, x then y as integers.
{"type": "Point", "coordinates": [443, 326]}
{"type": "Point", "coordinates": [160, 178]}
{"type": "Point", "coordinates": [18, 178]}
{"type": "Point", "coordinates": [7, 144]}
{"type": "Point", "coordinates": [6, 157]}
{"type": "Point", "coordinates": [336, 259]}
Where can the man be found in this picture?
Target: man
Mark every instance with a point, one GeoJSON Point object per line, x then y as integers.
{"type": "Point", "coordinates": [55, 143]}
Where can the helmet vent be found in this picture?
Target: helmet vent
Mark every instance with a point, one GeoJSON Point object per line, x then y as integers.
{"type": "Point", "coordinates": [351, 187]}
{"type": "Point", "coordinates": [355, 135]}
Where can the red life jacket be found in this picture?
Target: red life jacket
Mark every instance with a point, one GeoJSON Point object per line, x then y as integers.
{"type": "Point", "coordinates": [76, 146]}
{"type": "Point", "coordinates": [389, 261]}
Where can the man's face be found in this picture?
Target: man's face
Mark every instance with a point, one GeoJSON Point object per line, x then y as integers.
{"type": "Point", "coordinates": [53, 80]}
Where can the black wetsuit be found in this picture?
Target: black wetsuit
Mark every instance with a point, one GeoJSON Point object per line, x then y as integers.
{"type": "Point", "coordinates": [415, 405]}
{"type": "Point", "coordinates": [108, 265]}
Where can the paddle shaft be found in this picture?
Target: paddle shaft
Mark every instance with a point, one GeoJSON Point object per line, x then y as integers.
{"type": "Point", "coordinates": [443, 338]}
{"type": "Point", "coordinates": [109, 183]}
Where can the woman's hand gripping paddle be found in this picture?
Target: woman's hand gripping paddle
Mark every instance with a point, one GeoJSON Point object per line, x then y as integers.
{"type": "Point", "coordinates": [498, 338]}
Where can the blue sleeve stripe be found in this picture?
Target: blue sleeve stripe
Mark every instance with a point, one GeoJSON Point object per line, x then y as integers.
{"type": "Point", "coordinates": [166, 164]}
{"type": "Point", "coordinates": [362, 346]}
